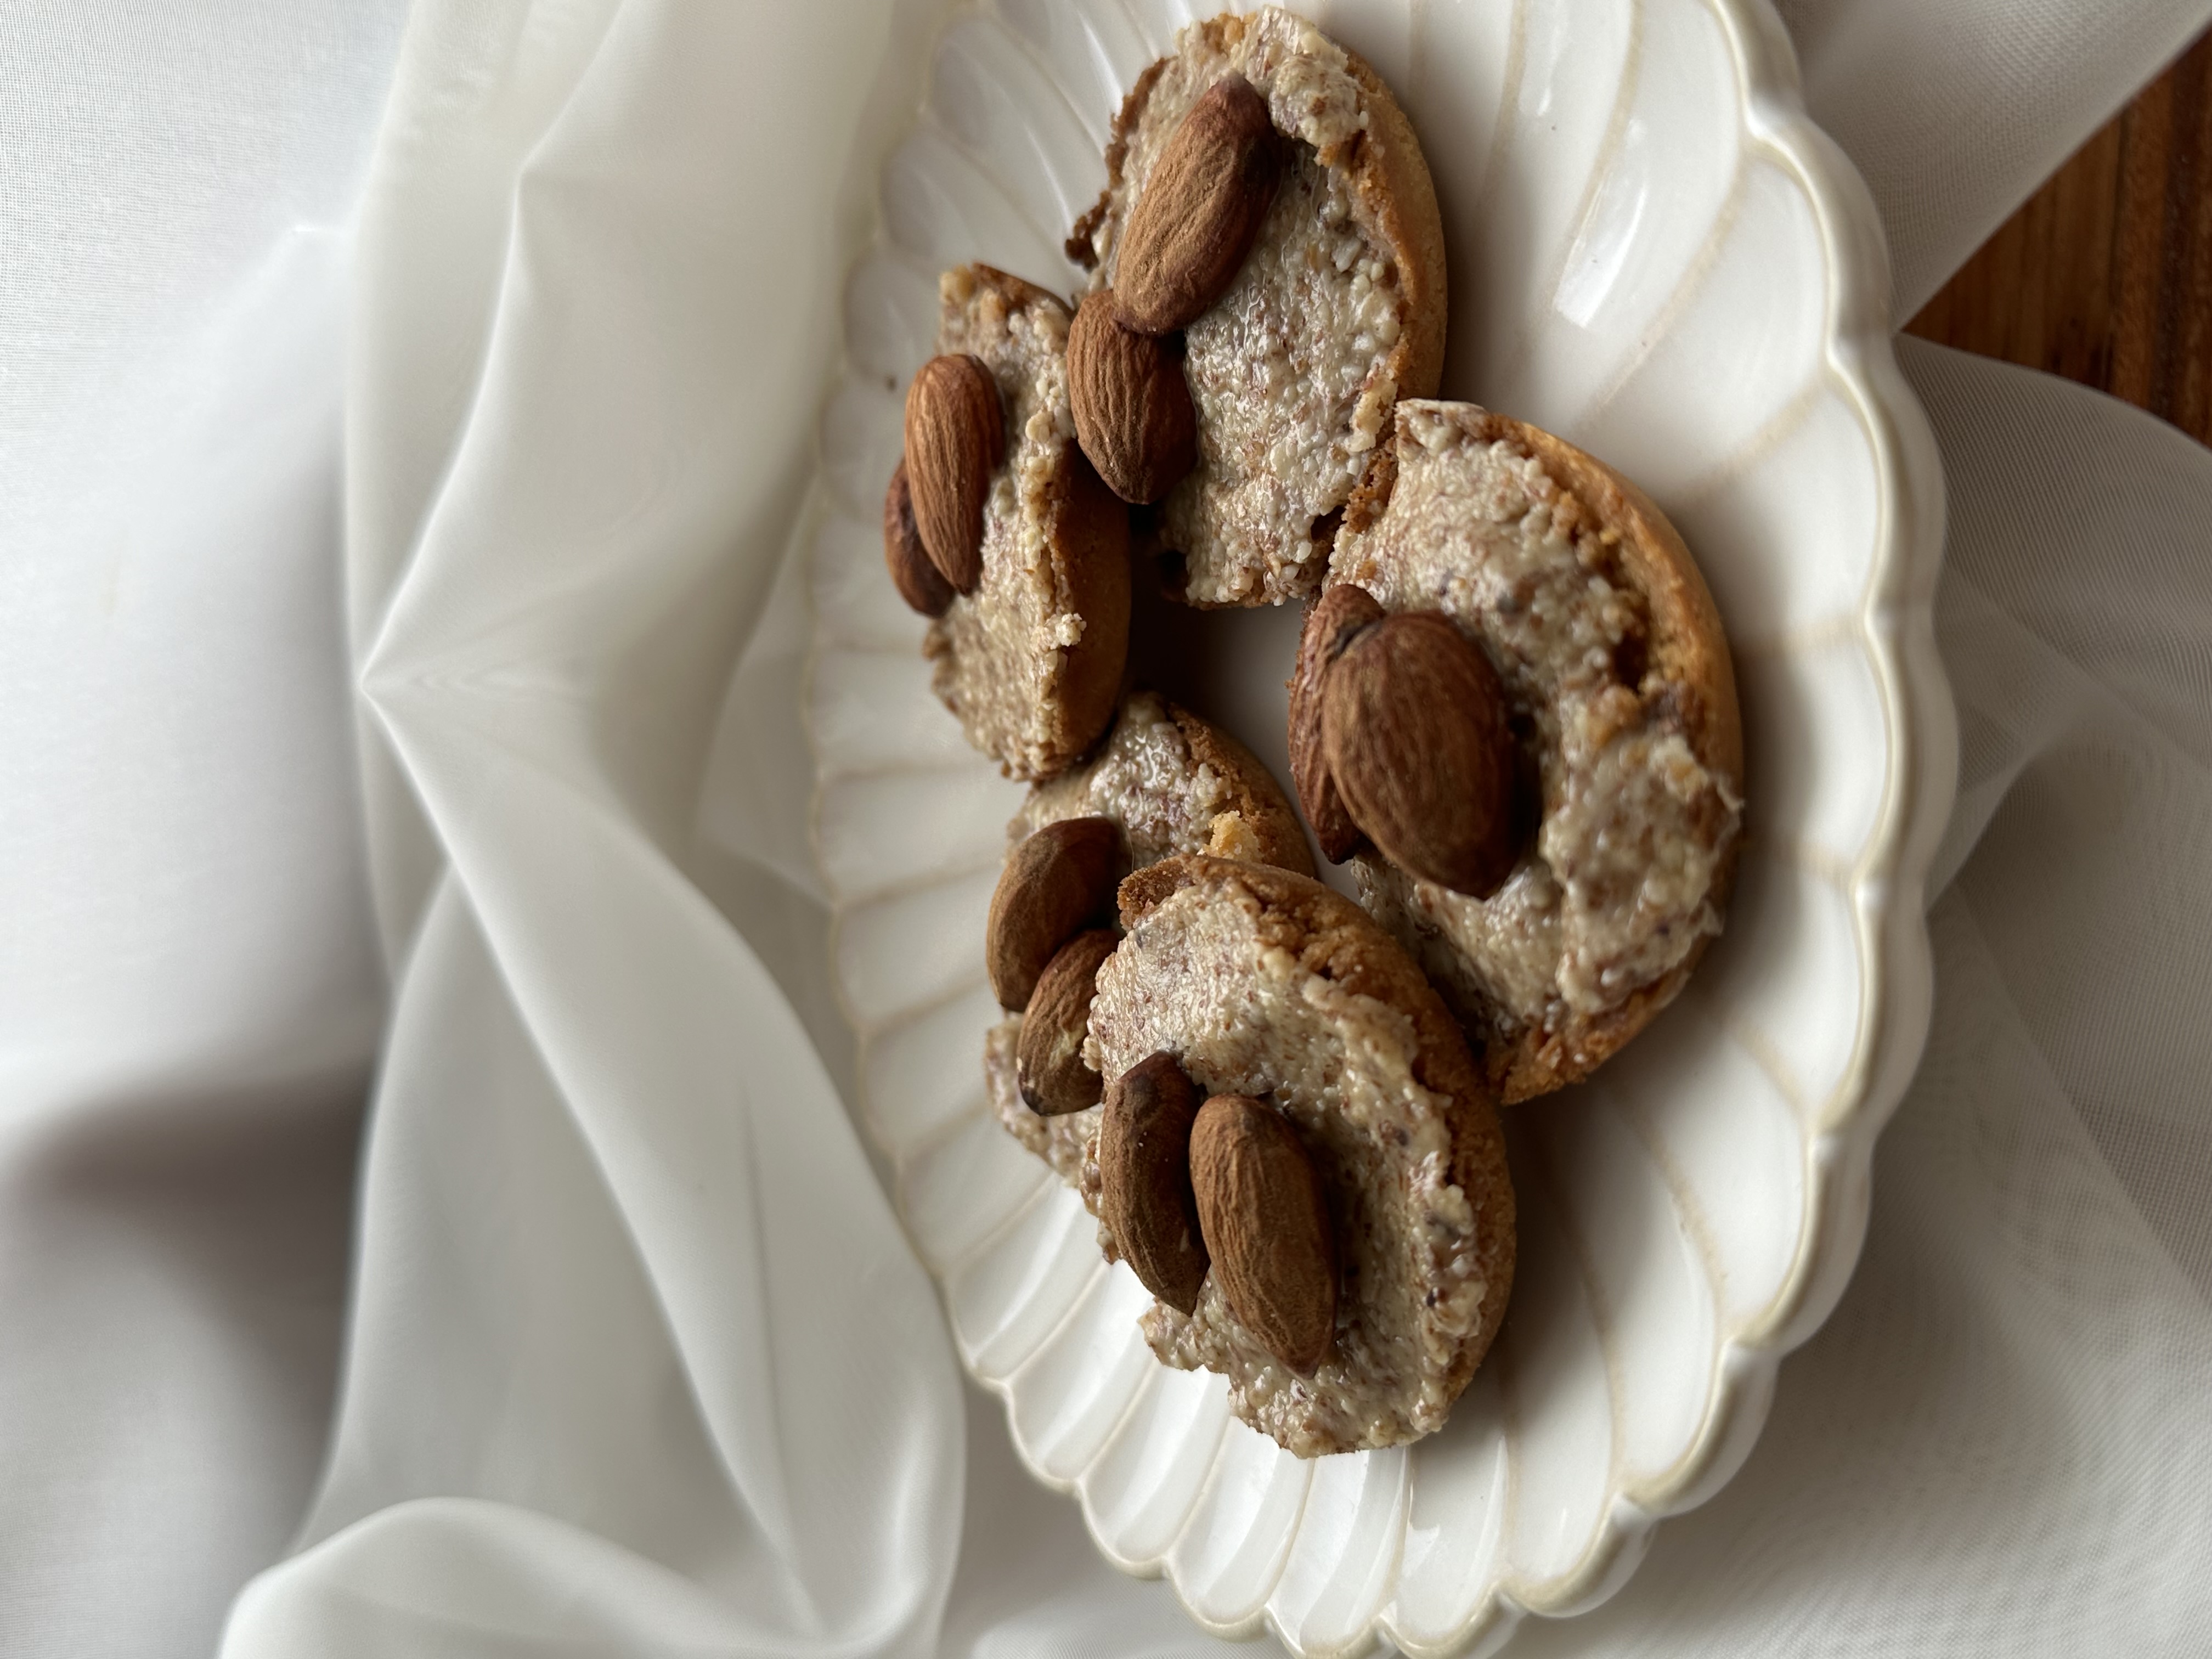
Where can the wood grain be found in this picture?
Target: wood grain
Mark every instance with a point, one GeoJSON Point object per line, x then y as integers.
{"type": "Point", "coordinates": [2105, 275]}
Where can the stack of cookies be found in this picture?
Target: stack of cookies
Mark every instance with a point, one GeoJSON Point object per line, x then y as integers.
{"type": "Point", "coordinates": [1511, 713]}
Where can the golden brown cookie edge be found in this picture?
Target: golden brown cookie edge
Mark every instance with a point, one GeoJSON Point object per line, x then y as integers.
{"type": "Point", "coordinates": [1689, 648]}
{"type": "Point", "coordinates": [1259, 798]}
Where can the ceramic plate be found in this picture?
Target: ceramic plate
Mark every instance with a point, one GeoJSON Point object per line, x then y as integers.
{"type": "Point", "coordinates": [1656, 254]}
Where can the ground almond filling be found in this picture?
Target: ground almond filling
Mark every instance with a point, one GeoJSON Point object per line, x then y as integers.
{"type": "Point", "coordinates": [1209, 976]}
{"type": "Point", "coordinates": [999, 653]}
{"type": "Point", "coordinates": [1617, 890]}
{"type": "Point", "coordinates": [1144, 778]}
{"type": "Point", "coordinates": [1289, 370]}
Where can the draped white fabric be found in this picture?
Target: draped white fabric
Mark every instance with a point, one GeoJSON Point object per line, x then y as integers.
{"type": "Point", "coordinates": [492, 780]}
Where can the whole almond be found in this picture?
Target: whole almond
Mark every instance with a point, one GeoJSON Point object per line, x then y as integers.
{"type": "Point", "coordinates": [955, 440]}
{"type": "Point", "coordinates": [1049, 1064]}
{"type": "Point", "coordinates": [1199, 210]}
{"type": "Point", "coordinates": [1265, 1224]}
{"type": "Point", "coordinates": [1056, 884]}
{"type": "Point", "coordinates": [919, 581]}
{"type": "Point", "coordinates": [1413, 727]}
{"type": "Point", "coordinates": [1334, 619]}
{"type": "Point", "coordinates": [1144, 1179]}
{"type": "Point", "coordinates": [1133, 412]}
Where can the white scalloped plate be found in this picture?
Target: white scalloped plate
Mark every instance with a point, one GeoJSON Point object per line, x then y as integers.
{"type": "Point", "coordinates": [1654, 253]}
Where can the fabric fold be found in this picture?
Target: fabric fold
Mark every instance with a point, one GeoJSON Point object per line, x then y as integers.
{"type": "Point", "coordinates": [1955, 113]}
{"type": "Point", "coordinates": [546, 636]}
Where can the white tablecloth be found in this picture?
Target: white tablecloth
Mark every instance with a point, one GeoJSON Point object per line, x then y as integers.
{"type": "Point", "coordinates": [629, 1357]}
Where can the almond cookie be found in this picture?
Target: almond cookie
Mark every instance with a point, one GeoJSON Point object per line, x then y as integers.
{"type": "Point", "coordinates": [1600, 636]}
{"type": "Point", "coordinates": [1165, 782]}
{"type": "Point", "coordinates": [1274, 994]}
{"type": "Point", "coordinates": [1028, 645]}
{"type": "Point", "coordinates": [1334, 309]}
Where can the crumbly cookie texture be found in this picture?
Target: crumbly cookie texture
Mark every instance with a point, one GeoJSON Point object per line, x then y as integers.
{"type": "Point", "coordinates": [1624, 882]}
{"type": "Point", "coordinates": [1030, 662]}
{"type": "Point", "coordinates": [1174, 784]}
{"type": "Point", "coordinates": [1265, 983]}
{"type": "Point", "coordinates": [1337, 310]}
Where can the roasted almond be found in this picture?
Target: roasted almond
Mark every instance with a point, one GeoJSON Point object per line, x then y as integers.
{"type": "Point", "coordinates": [1413, 727]}
{"type": "Point", "coordinates": [1056, 884]}
{"type": "Point", "coordinates": [1333, 622]}
{"type": "Point", "coordinates": [1133, 412]}
{"type": "Point", "coordinates": [1199, 210]}
{"type": "Point", "coordinates": [919, 581]}
{"type": "Point", "coordinates": [1265, 1221]}
{"type": "Point", "coordinates": [1144, 1179]}
{"type": "Point", "coordinates": [955, 440]}
{"type": "Point", "coordinates": [1048, 1063]}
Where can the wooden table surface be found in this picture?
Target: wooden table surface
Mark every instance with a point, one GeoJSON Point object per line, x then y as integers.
{"type": "Point", "coordinates": [2105, 275]}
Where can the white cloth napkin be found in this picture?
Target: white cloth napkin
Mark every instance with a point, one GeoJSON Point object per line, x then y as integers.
{"type": "Point", "coordinates": [634, 1359]}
